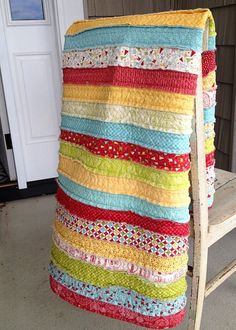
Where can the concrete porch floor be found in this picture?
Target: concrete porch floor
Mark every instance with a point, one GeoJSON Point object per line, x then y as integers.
{"type": "Point", "coordinates": [26, 302]}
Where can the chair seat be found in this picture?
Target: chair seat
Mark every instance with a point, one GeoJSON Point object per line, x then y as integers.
{"type": "Point", "coordinates": [222, 216]}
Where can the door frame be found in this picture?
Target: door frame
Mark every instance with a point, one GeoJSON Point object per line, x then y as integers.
{"type": "Point", "coordinates": [64, 13]}
{"type": "Point", "coordinates": [5, 130]}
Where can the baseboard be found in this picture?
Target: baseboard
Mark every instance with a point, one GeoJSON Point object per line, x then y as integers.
{"type": "Point", "coordinates": [36, 188]}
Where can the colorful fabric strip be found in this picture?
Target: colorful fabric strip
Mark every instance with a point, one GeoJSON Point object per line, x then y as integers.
{"type": "Point", "coordinates": [209, 115]}
{"type": "Point", "coordinates": [118, 185]}
{"type": "Point", "coordinates": [106, 278]}
{"type": "Point", "coordinates": [164, 246]}
{"type": "Point", "coordinates": [209, 145]}
{"type": "Point", "coordinates": [150, 99]}
{"type": "Point", "coordinates": [210, 159]}
{"type": "Point", "coordinates": [209, 98]}
{"type": "Point", "coordinates": [209, 82]}
{"type": "Point", "coordinates": [211, 43]}
{"type": "Point", "coordinates": [210, 201]}
{"type": "Point", "coordinates": [132, 57]}
{"type": "Point", "coordinates": [125, 297]}
{"type": "Point", "coordinates": [136, 36]}
{"type": "Point", "coordinates": [121, 202]}
{"type": "Point", "coordinates": [208, 62]}
{"type": "Point", "coordinates": [92, 213]}
{"type": "Point", "coordinates": [167, 80]}
{"type": "Point", "coordinates": [118, 265]}
{"type": "Point", "coordinates": [135, 153]}
{"type": "Point", "coordinates": [160, 141]}
{"type": "Point", "coordinates": [108, 309]}
{"type": "Point", "coordinates": [149, 119]}
{"type": "Point", "coordinates": [211, 174]}
{"type": "Point", "coordinates": [124, 169]}
{"type": "Point", "coordinates": [209, 130]}
{"type": "Point", "coordinates": [116, 251]}
{"type": "Point", "coordinates": [129, 152]}
{"type": "Point", "coordinates": [192, 18]}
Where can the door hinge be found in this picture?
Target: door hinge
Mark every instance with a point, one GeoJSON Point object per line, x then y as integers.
{"type": "Point", "coordinates": [8, 141]}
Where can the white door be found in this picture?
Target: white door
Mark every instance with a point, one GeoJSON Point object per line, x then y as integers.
{"type": "Point", "coordinates": [34, 61]}
{"type": "Point", "coordinates": [31, 40]}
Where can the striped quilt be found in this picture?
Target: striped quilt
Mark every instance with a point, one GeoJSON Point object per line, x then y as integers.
{"type": "Point", "coordinates": [120, 235]}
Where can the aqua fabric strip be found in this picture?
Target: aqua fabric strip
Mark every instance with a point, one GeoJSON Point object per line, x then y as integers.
{"type": "Point", "coordinates": [121, 202]}
{"type": "Point", "coordinates": [210, 201]}
{"type": "Point", "coordinates": [209, 115]}
{"type": "Point", "coordinates": [160, 141]}
{"type": "Point", "coordinates": [211, 43]}
{"type": "Point", "coordinates": [119, 296]}
{"type": "Point", "coordinates": [137, 36]}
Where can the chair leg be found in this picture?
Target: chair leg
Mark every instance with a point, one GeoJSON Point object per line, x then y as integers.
{"type": "Point", "coordinates": [197, 290]}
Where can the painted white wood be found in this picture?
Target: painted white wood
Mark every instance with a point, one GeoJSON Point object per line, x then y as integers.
{"type": "Point", "coordinates": [69, 11]}
{"type": "Point", "coordinates": [210, 226]}
{"type": "Point", "coordinates": [35, 87]}
{"type": "Point", "coordinates": [6, 154]}
{"type": "Point", "coordinates": [30, 60]}
{"type": "Point", "coordinates": [38, 103]}
{"type": "Point", "coordinates": [222, 216]}
{"type": "Point", "coordinates": [217, 280]}
{"type": "Point", "coordinates": [200, 208]}
{"type": "Point", "coordinates": [11, 105]}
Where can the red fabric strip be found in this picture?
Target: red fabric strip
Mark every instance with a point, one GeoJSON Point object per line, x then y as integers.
{"type": "Point", "coordinates": [128, 151]}
{"type": "Point", "coordinates": [167, 80]}
{"type": "Point", "coordinates": [208, 62]}
{"type": "Point", "coordinates": [163, 227]}
{"type": "Point", "coordinates": [210, 159]}
{"type": "Point", "coordinates": [117, 312]}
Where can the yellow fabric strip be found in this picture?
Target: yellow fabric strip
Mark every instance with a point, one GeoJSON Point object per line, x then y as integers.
{"type": "Point", "coordinates": [190, 18]}
{"type": "Point", "coordinates": [118, 251]}
{"type": "Point", "coordinates": [139, 98]}
{"type": "Point", "coordinates": [79, 174]}
{"type": "Point", "coordinates": [126, 169]}
{"type": "Point", "coordinates": [209, 80]}
{"type": "Point", "coordinates": [103, 278]}
{"type": "Point", "coordinates": [156, 120]}
{"type": "Point", "coordinates": [209, 145]}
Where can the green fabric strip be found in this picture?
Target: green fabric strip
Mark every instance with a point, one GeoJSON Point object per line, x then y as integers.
{"type": "Point", "coordinates": [104, 278]}
{"type": "Point", "coordinates": [126, 169]}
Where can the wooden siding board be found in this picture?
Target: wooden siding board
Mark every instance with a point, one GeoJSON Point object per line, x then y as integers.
{"type": "Point", "coordinates": [222, 160]}
{"type": "Point", "coordinates": [223, 134]}
{"type": "Point", "coordinates": [108, 8]}
{"type": "Point", "coordinates": [191, 4]}
{"type": "Point", "coordinates": [163, 5]}
{"type": "Point", "coordinates": [225, 64]}
{"type": "Point", "coordinates": [132, 7]}
{"type": "Point", "coordinates": [91, 8]}
{"type": "Point", "coordinates": [233, 121]}
{"type": "Point", "coordinates": [225, 20]}
{"type": "Point", "coordinates": [224, 101]}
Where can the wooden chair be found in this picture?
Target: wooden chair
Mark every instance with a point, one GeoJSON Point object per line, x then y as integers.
{"type": "Point", "coordinates": [208, 226]}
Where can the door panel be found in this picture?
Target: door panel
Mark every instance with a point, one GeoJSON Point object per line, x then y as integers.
{"type": "Point", "coordinates": [38, 97]}
{"type": "Point", "coordinates": [35, 66]}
